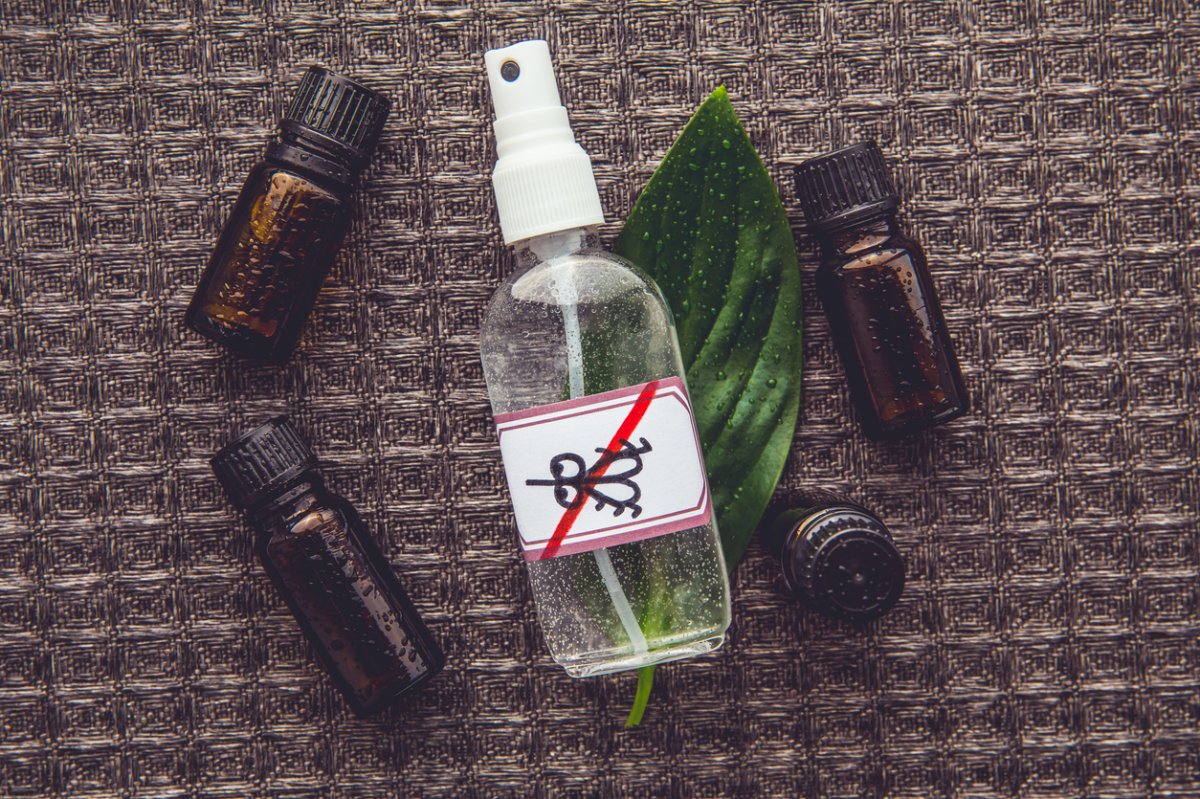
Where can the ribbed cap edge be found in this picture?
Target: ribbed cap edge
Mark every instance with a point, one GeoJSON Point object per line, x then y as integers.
{"type": "Point", "coordinates": [845, 564]}
{"type": "Point", "coordinates": [253, 466]}
{"type": "Point", "coordinates": [538, 197]}
{"type": "Point", "coordinates": [339, 110]}
{"type": "Point", "coordinates": [845, 186]}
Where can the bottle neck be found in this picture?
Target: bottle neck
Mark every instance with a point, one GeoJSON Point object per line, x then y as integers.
{"type": "Point", "coordinates": [548, 246]}
{"type": "Point", "coordinates": [848, 241]}
{"type": "Point", "coordinates": [308, 157]}
{"type": "Point", "coordinates": [292, 500]}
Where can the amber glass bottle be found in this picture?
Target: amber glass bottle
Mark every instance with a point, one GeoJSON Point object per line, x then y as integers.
{"type": "Point", "coordinates": [289, 220]}
{"type": "Point", "coordinates": [837, 557]}
{"type": "Point", "coordinates": [879, 297]}
{"type": "Point", "coordinates": [336, 582]}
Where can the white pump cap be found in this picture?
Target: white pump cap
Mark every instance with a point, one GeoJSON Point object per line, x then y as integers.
{"type": "Point", "coordinates": [543, 179]}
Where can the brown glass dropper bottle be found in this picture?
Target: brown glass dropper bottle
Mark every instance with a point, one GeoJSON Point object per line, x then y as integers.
{"type": "Point", "coordinates": [329, 571]}
{"type": "Point", "coordinates": [879, 296]}
{"type": "Point", "coordinates": [289, 220]}
{"type": "Point", "coordinates": [837, 557]}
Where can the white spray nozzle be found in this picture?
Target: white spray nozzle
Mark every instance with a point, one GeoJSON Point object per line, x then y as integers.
{"type": "Point", "coordinates": [521, 78]}
{"type": "Point", "coordinates": [543, 179]}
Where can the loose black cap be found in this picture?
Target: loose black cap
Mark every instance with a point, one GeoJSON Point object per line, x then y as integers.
{"type": "Point", "coordinates": [845, 186]}
{"type": "Point", "coordinates": [842, 562]}
{"type": "Point", "coordinates": [337, 113]}
{"type": "Point", "coordinates": [261, 462]}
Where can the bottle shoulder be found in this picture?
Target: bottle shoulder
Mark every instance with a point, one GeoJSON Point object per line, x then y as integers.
{"type": "Point", "coordinates": [304, 511]}
{"type": "Point", "coordinates": [587, 278]}
{"type": "Point", "coordinates": [869, 249]}
{"type": "Point", "coordinates": [893, 253]}
{"type": "Point", "coordinates": [283, 176]}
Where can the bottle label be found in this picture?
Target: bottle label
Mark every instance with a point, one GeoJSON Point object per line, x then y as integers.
{"type": "Point", "coordinates": [606, 469]}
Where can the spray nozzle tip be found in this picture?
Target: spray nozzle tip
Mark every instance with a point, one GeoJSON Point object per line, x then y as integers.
{"type": "Point", "coordinates": [521, 78]}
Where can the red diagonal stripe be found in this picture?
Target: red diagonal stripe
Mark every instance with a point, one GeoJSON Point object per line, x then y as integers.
{"type": "Point", "coordinates": [640, 406]}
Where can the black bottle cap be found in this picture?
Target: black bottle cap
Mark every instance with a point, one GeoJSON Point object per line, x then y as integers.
{"type": "Point", "coordinates": [254, 466]}
{"type": "Point", "coordinates": [845, 187]}
{"type": "Point", "coordinates": [337, 114]}
{"type": "Point", "coordinates": [841, 561]}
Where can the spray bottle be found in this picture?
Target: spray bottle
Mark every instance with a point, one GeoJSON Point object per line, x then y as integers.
{"type": "Point", "coordinates": [596, 432]}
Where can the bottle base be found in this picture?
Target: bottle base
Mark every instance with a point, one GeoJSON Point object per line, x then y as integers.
{"type": "Point", "coordinates": [611, 663]}
{"type": "Point", "coordinates": [239, 341]}
{"type": "Point", "coordinates": [394, 694]}
{"type": "Point", "coordinates": [906, 426]}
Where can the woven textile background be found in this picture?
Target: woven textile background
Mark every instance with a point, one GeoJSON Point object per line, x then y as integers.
{"type": "Point", "coordinates": [1048, 643]}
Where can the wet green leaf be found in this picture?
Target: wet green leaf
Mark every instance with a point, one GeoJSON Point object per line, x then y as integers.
{"type": "Point", "coordinates": [727, 265]}
{"type": "Point", "coordinates": [710, 228]}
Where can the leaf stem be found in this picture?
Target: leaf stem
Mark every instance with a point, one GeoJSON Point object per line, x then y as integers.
{"type": "Point", "coordinates": [642, 698]}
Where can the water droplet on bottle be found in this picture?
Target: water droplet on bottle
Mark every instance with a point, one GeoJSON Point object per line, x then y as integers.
{"type": "Point", "coordinates": [726, 143]}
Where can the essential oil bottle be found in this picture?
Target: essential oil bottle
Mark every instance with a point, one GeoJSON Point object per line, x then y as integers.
{"type": "Point", "coordinates": [329, 571]}
{"type": "Point", "coordinates": [879, 296]}
{"type": "Point", "coordinates": [838, 558]}
{"type": "Point", "coordinates": [289, 220]}
{"type": "Point", "coordinates": [583, 369]}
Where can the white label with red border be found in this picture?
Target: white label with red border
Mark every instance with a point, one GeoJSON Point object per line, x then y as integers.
{"type": "Point", "coordinates": [605, 469]}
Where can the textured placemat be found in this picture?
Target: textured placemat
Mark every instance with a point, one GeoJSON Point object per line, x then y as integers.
{"type": "Point", "coordinates": [1049, 641]}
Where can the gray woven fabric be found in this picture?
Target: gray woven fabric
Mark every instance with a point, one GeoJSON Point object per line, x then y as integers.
{"type": "Point", "coordinates": [1048, 643]}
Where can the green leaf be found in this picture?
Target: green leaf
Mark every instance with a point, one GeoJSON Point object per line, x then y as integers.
{"type": "Point", "coordinates": [644, 684]}
{"type": "Point", "coordinates": [710, 229]}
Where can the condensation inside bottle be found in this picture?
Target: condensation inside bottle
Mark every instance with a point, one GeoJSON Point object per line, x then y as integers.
{"type": "Point", "coordinates": [275, 253]}
{"type": "Point", "coordinates": [887, 324]}
{"type": "Point", "coordinates": [675, 584]}
{"type": "Point", "coordinates": [351, 611]}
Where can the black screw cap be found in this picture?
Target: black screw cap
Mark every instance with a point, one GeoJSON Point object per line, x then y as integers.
{"type": "Point", "coordinates": [258, 464]}
{"type": "Point", "coordinates": [841, 561]}
{"type": "Point", "coordinates": [845, 187]}
{"type": "Point", "coordinates": [338, 113]}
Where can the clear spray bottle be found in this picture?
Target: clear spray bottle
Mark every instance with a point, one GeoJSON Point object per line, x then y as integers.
{"type": "Point", "coordinates": [595, 424]}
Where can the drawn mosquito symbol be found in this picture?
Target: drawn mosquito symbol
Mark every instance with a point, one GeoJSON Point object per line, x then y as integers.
{"type": "Point", "coordinates": [585, 480]}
